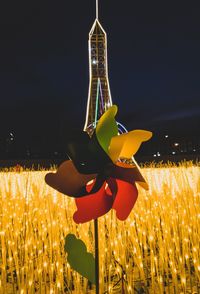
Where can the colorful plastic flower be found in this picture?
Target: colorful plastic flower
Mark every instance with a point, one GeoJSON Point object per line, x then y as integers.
{"type": "Point", "coordinates": [97, 174]}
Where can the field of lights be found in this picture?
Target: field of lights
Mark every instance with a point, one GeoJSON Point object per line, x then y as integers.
{"type": "Point", "coordinates": [155, 251]}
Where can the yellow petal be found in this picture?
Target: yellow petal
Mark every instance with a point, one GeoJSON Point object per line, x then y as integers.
{"type": "Point", "coordinates": [126, 145]}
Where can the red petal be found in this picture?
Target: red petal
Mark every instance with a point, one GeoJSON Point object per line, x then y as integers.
{"type": "Point", "coordinates": [125, 199]}
{"type": "Point", "coordinates": [94, 205]}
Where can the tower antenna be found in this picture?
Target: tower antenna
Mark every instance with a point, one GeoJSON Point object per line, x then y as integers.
{"type": "Point", "coordinates": [97, 9]}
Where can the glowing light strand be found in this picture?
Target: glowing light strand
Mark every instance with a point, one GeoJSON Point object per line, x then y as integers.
{"type": "Point", "coordinates": [102, 101]}
{"type": "Point", "coordinates": [97, 101]}
{"type": "Point", "coordinates": [155, 209]}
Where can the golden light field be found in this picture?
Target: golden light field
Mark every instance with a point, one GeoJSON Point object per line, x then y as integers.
{"type": "Point", "coordinates": [155, 251]}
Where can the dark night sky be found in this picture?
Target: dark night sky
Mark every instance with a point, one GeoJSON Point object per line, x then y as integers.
{"type": "Point", "coordinates": [154, 65]}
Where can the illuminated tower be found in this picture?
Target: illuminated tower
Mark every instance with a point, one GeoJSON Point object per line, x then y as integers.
{"type": "Point", "coordinates": [99, 96]}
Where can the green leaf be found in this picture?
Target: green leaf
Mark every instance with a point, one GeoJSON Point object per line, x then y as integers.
{"type": "Point", "coordinates": [78, 257]}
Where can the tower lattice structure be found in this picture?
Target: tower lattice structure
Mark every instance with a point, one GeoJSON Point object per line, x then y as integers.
{"type": "Point", "coordinates": [99, 96]}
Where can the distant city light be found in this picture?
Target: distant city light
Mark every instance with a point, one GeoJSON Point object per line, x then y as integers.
{"type": "Point", "coordinates": [158, 153]}
{"type": "Point", "coordinates": [194, 150]}
{"type": "Point", "coordinates": [166, 136]}
{"type": "Point", "coordinates": [173, 152]}
{"type": "Point", "coordinates": [154, 155]}
{"type": "Point", "coordinates": [176, 144]}
{"type": "Point", "coordinates": [11, 134]}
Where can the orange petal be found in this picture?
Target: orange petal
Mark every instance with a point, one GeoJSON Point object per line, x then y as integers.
{"type": "Point", "coordinates": [130, 173]}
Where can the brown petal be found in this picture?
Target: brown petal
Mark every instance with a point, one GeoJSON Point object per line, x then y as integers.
{"type": "Point", "coordinates": [68, 180]}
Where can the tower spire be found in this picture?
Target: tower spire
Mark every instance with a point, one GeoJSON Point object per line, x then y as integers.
{"type": "Point", "coordinates": [97, 9]}
{"type": "Point", "coordinates": [99, 96]}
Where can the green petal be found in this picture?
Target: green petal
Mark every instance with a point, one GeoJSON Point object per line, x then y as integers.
{"type": "Point", "coordinates": [107, 128]}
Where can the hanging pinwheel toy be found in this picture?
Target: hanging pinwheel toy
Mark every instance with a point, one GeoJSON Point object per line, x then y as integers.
{"type": "Point", "coordinates": [97, 174]}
